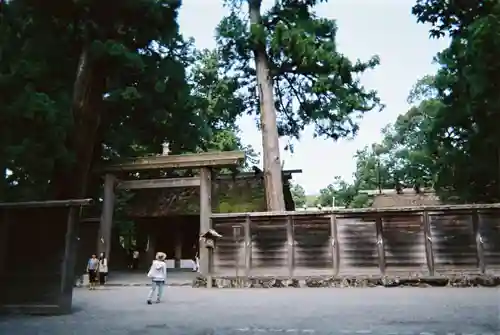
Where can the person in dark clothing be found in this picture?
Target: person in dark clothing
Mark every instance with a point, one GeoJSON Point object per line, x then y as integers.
{"type": "Point", "coordinates": [135, 259]}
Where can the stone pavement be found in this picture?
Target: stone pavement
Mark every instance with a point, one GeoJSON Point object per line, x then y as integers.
{"type": "Point", "coordinates": [287, 311]}
{"type": "Point", "coordinates": [139, 278]}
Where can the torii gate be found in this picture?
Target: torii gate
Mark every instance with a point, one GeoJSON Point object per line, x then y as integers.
{"type": "Point", "coordinates": [205, 162]}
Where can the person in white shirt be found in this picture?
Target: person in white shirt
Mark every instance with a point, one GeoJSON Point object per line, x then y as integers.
{"type": "Point", "coordinates": [196, 259]}
{"type": "Point", "coordinates": [158, 275]}
{"type": "Point", "coordinates": [103, 268]}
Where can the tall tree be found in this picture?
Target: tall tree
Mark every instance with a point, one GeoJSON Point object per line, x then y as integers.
{"type": "Point", "coordinates": [299, 77]}
{"type": "Point", "coordinates": [148, 97]}
{"type": "Point", "coordinates": [96, 51]}
{"type": "Point", "coordinates": [464, 133]}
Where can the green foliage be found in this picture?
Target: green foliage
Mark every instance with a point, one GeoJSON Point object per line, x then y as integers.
{"type": "Point", "coordinates": [448, 140]}
{"type": "Point", "coordinates": [147, 96]}
{"type": "Point", "coordinates": [465, 142]}
{"type": "Point", "coordinates": [402, 157]}
{"type": "Point", "coordinates": [304, 64]}
{"type": "Point", "coordinates": [298, 195]}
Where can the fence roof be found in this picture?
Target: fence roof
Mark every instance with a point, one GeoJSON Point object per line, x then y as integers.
{"type": "Point", "coordinates": [410, 209]}
{"type": "Point", "coordinates": [48, 203]}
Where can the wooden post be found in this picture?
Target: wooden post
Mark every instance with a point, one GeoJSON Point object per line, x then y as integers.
{"type": "Point", "coordinates": [335, 245]}
{"type": "Point", "coordinates": [476, 225]}
{"type": "Point", "coordinates": [69, 260]}
{"type": "Point", "coordinates": [178, 246]}
{"type": "Point", "coordinates": [205, 220]}
{"type": "Point", "coordinates": [4, 240]}
{"type": "Point", "coordinates": [236, 241]}
{"type": "Point", "coordinates": [142, 243]}
{"type": "Point", "coordinates": [106, 225]}
{"type": "Point", "coordinates": [429, 253]}
{"type": "Point", "coordinates": [291, 242]}
{"type": "Point", "coordinates": [380, 244]}
{"type": "Point", "coordinates": [248, 246]}
{"type": "Point", "coordinates": [151, 252]}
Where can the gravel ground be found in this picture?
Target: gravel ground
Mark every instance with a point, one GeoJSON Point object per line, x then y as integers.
{"type": "Point", "coordinates": [188, 311]}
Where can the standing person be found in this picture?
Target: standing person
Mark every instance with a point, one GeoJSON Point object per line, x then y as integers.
{"type": "Point", "coordinates": [92, 269]}
{"type": "Point", "coordinates": [135, 259]}
{"type": "Point", "coordinates": [158, 275]}
{"type": "Point", "coordinates": [196, 259]}
{"type": "Point", "coordinates": [103, 268]}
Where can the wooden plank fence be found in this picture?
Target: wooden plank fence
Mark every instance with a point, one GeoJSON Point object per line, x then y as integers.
{"type": "Point", "coordinates": [427, 241]}
{"type": "Point", "coordinates": [38, 242]}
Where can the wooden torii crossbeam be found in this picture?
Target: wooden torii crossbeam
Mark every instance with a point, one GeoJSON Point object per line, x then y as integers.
{"type": "Point", "coordinates": [202, 161]}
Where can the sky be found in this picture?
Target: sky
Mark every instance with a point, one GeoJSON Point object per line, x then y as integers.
{"type": "Point", "coordinates": [365, 28]}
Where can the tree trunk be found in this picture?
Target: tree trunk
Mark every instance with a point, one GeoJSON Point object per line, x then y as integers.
{"type": "Point", "coordinates": [70, 182]}
{"type": "Point", "coordinates": [270, 144]}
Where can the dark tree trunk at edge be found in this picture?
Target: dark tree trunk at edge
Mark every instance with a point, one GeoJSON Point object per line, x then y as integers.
{"type": "Point", "coordinates": [70, 182]}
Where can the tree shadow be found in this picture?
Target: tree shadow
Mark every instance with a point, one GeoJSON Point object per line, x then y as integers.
{"type": "Point", "coordinates": [228, 247]}
{"type": "Point", "coordinates": [269, 239]}
{"type": "Point", "coordinates": [358, 242]}
{"type": "Point", "coordinates": [489, 229]}
{"type": "Point", "coordinates": [453, 240]}
{"type": "Point", "coordinates": [312, 237]}
{"type": "Point", "coordinates": [404, 241]}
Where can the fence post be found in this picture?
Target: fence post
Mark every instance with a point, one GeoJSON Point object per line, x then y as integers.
{"type": "Point", "coordinates": [476, 224]}
{"type": "Point", "coordinates": [335, 244]}
{"type": "Point", "coordinates": [4, 240]}
{"type": "Point", "coordinates": [206, 221]}
{"type": "Point", "coordinates": [429, 253]}
{"type": "Point", "coordinates": [236, 240]}
{"type": "Point", "coordinates": [248, 246]}
{"type": "Point", "coordinates": [70, 249]}
{"type": "Point", "coordinates": [290, 239]}
{"type": "Point", "coordinates": [380, 243]}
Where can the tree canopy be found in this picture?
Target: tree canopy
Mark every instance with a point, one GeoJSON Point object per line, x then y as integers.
{"type": "Point", "coordinates": [448, 140]}
{"type": "Point", "coordinates": [142, 94]}
{"type": "Point", "coordinates": [87, 82]}
{"type": "Point", "coordinates": [294, 76]}
{"type": "Point", "coordinates": [305, 66]}
{"type": "Point", "coordinates": [298, 195]}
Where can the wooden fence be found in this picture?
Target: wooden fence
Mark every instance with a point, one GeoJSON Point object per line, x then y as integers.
{"type": "Point", "coordinates": [38, 242]}
{"type": "Point", "coordinates": [425, 241]}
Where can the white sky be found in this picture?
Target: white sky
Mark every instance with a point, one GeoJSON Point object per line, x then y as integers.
{"type": "Point", "coordinates": [365, 28]}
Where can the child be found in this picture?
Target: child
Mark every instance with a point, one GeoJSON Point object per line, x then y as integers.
{"type": "Point", "coordinates": [158, 275]}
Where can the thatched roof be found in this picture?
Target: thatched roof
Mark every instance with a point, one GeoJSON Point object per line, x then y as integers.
{"type": "Point", "coordinates": [405, 200]}
{"type": "Point", "coordinates": [243, 193]}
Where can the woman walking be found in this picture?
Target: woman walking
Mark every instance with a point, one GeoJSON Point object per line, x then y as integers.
{"type": "Point", "coordinates": [196, 260]}
{"type": "Point", "coordinates": [158, 275]}
{"type": "Point", "coordinates": [92, 269]}
{"type": "Point", "coordinates": [103, 268]}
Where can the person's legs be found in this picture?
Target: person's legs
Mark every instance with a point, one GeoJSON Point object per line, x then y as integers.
{"type": "Point", "coordinates": [91, 279]}
{"type": "Point", "coordinates": [195, 267]}
{"type": "Point", "coordinates": [160, 291]}
{"type": "Point", "coordinates": [102, 275]}
{"type": "Point", "coordinates": [197, 264]}
{"type": "Point", "coordinates": [152, 291]}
